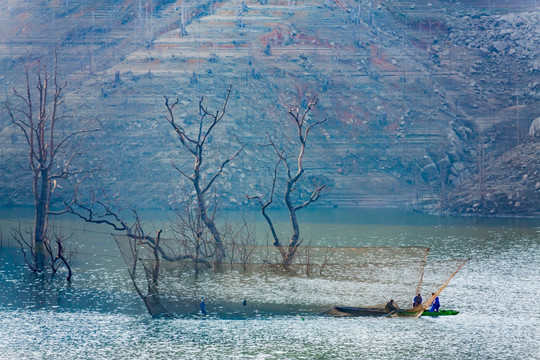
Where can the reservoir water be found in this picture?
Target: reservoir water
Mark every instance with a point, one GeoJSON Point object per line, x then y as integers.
{"type": "Point", "coordinates": [99, 315]}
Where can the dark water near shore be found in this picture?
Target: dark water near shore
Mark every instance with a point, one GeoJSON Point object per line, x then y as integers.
{"type": "Point", "coordinates": [99, 316]}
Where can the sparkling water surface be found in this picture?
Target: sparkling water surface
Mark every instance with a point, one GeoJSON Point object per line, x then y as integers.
{"type": "Point", "coordinates": [99, 316]}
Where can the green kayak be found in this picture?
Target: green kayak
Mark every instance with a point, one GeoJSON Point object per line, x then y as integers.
{"type": "Point", "coordinates": [440, 313]}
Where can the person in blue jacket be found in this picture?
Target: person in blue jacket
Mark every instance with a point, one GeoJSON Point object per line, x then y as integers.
{"type": "Point", "coordinates": [417, 300]}
{"type": "Point", "coordinates": [435, 305]}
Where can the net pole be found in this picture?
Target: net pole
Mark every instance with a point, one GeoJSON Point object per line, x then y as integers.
{"type": "Point", "coordinates": [425, 305]}
{"type": "Point", "coordinates": [424, 263]}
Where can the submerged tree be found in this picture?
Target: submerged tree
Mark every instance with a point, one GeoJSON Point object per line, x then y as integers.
{"type": "Point", "coordinates": [196, 239]}
{"type": "Point", "coordinates": [51, 145]}
{"type": "Point", "coordinates": [303, 124]}
{"type": "Point", "coordinates": [134, 242]}
{"type": "Point", "coordinates": [194, 144]}
{"type": "Point", "coordinates": [56, 251]}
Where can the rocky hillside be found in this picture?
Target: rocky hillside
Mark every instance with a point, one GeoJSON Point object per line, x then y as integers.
{"type": "Point", "coordinates": [415, 93]}
{"type": "Point", "coordinates": [508, 186]}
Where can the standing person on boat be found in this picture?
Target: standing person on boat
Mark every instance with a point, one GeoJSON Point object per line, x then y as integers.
{"type": "Point", "coordinates": [435, 305]}
{"type": "Point", "coordinates": [417, 300]}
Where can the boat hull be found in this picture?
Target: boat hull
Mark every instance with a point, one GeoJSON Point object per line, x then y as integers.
{"type": "Point", "coordinates": [373, 312]}
{"type": "Point", "coordinates": [358, 311]}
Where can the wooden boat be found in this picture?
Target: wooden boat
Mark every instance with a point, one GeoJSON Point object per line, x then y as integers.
{"type": "Point", "coordinates": [355, 311]}
{"type": "Point", "coordinates": [360, 311]}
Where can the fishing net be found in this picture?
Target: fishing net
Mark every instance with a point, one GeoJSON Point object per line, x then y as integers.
{"type": "Point", "coordinates": [251, 280]}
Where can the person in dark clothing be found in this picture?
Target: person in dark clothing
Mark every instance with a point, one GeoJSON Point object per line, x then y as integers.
{"type": "Point", "coordinates": [391, 306]}
{"type": "Point", "coordinates": [203, 306]}
{"type": "Point", "coordinates": [417, 300]}
{"type": "Point", "coordinates": [435, 305]}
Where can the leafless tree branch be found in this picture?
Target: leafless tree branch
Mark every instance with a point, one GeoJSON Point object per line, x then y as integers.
{"type": "Point", "coordinates": [300, 119]}
{"type": "Point", "coordinates": [195, 146]}
{"type": "Point", "coordinates": [222, 166]}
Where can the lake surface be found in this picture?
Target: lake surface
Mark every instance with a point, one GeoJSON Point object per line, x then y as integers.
{"type": "Point", "coordinates": [99, 316]}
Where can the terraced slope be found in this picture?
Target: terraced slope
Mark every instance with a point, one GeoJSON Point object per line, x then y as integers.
{"type": "Point", "coordinates": [407, 88]}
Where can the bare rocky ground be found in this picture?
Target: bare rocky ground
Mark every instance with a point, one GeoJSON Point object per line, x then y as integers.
{"type": "Point", "coordinates": [510, 186]}
{"type": "Point", "coordinates": [415, 93]}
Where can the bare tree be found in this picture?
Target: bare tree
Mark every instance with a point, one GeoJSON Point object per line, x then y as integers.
{"type": "Point", "coordinates": [293, 175]}
{"type": "Point", "coordinates": [138, 240]}
{"type": "Point", "coordinates": [57, 254]}
{"type": "Point", "coordinates": [240, 243]}
{"type": "Point", "coordinates": [192, 236]}
{"type": "Point", "coordinates": [196, 243]}
{"type": "Point", "coordinates": [194, 144]}
{"type": "Point", "coordinates": [51, 151]}
{"type": "Point", "coordinates": [98, 210]}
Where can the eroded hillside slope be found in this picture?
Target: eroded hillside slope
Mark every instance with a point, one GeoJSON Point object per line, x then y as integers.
{"type": "Point", "coordinates": [412, 91]}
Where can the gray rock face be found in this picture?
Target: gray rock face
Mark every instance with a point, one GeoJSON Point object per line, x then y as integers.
{"type": "Point", "coordinates": [485, 195]}
{"type": "Point", "coordinates": [429, 172]}
{"type": "Point", "coordinates": [500, 45]}
{"type": "Point", "coordinates": [534, 129]}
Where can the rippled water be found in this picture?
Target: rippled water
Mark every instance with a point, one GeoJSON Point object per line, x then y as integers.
{"type": "Point", "coordinates": [99, 315]}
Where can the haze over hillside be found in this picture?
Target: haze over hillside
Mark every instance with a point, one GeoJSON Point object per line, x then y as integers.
{"type": "Point", "coordinates": [419, 95]}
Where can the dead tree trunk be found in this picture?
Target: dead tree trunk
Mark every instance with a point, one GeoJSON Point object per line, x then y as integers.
{"type": "Point", "coordinates": [195, 145]}
{"type": "Point", "coordinates": [38, 117]}
{"type": "Point", "coordinates": [300, 118]}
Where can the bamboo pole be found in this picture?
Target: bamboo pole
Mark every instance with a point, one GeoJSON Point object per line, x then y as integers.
{"type": "Point", "coordinates": [425, 305]}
